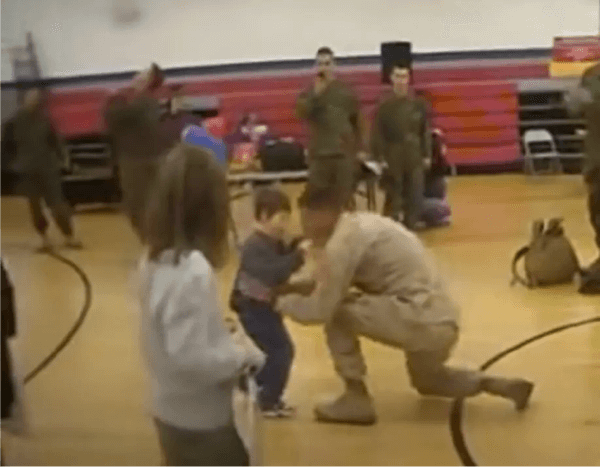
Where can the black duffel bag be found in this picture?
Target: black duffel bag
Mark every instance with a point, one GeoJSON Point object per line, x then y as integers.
{"type": "Point", "coordinates": [8, 331]}
{"type": "Point", "coordinates": [282, 156]}
{"type": "Point", "coordinates": [9, 180]}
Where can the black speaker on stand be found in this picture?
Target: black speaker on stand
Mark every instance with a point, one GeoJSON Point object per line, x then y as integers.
{"type": "Point", "coordinates": [394, 52]}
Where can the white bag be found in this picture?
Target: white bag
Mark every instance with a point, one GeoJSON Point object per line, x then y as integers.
{"type": "Point", "coordinates": [18, 422]}
{"type": "Point", "coordinates": [247, 418]}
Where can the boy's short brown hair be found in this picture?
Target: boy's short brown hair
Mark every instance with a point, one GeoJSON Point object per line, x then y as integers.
{"type": "Point", "coordinates": [189, 206]}
{"type": "Point", "coordinates": [270, 201]}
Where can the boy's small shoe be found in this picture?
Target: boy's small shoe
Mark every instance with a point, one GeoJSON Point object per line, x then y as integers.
{"type": "Point", "coordinates": [444, 222]}
{"type": "Point", "coordinates": [287, 410]}
{"type": "Point", "coordinates": [418, 226]}
{"type": "Point", "coordinates": [46, 246]}
{"type": "Point", "coordinates": [272, 412]}
{"type": "Point", "coordinates": [279, 410]}
{"type": "Point", "coordinates": [73, 243]}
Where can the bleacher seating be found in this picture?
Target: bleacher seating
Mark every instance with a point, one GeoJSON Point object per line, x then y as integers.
{"type": "Point", "coordinates": [480, 121]}
{"type": "Point", "coordinates": [475, 105]}
{"type": "Point", "coordinates": [78, 114]}
{"type": "Point", "coordinates": [480, 73]}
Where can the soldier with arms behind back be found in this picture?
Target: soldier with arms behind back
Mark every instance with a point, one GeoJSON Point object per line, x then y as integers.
{"type": "Point", "coordinates": [401, 137]}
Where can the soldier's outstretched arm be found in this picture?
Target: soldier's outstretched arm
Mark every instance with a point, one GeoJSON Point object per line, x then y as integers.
{"type": "Point", "coordinates": [307, 104]}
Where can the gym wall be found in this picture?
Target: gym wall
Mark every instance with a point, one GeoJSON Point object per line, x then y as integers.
{"type": "Point", "coordinates": [80, 37]}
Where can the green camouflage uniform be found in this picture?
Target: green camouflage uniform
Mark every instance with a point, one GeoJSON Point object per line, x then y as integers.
{"type": "Point", "coordinates": [37, 149]}
{"type": "Point", "coordinates": [401, 137]}
{"type": "Point", "coordinates": [336, 135]}
{"type": "Point", "coordinates": [134, 129]}
{"type": "Point", "coordinates": [589, 109]}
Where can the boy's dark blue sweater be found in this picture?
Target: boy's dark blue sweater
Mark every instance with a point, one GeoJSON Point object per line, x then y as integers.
{"type": "Point", "coordinates": [265, 264]}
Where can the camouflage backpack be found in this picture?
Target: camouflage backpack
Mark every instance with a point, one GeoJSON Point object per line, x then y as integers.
{"type": "Point", "coordinates": [548, 259]}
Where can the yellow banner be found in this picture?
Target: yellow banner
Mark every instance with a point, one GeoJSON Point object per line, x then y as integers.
{"type": "Point", "coordinates": [568, 69]}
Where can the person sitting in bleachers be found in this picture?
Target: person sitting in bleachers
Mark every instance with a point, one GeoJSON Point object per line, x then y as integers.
{"type": "Point", "coordinates": [436, 211]}
{"type": "Point", "coordinates": [249, 130]}
{"type": "Point", "coordinates": [196, 135]}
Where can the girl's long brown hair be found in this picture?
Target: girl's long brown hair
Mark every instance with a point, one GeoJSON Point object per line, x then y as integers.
{"type": "Point", "coordinates": [189, 206]}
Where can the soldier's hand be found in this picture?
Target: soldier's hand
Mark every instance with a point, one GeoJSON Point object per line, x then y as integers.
{"type": "Point", "coordinates": [576, 98]}
{"type": "Point", "coordinates": [320, 85]}
{"type": "Point", "coordinates": [304, 287]}
{"type": "Point", "coordinates": [427, 163]}
{"type": "Point", "coordinates": [583, 95]}
{"type": "Point", "coordinates": [363, 156]}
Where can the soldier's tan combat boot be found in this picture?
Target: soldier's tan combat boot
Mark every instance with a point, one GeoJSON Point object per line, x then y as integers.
{"type": "Point", "coordinates": [517, 390]}
{"type": "Point", "coordinates": [355, 406]}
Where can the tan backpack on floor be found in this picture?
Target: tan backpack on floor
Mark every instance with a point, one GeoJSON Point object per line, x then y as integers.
{"type": "Point", "coordinates": [548, 259]}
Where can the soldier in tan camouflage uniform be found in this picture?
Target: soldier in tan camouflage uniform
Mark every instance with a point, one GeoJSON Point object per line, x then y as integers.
{"type": "Point", "coordinates": [374, 279]}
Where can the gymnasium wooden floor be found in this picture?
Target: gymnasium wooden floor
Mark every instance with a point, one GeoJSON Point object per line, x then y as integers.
{"type": "Point", "coordinates": [88, 406]}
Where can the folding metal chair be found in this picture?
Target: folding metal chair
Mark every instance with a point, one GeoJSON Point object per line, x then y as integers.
{"type": "Point", "coordinates": [540, 145]}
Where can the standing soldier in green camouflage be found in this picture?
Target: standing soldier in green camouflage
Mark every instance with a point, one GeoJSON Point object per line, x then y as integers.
{"type": "Point", "coordinates": [585, 102]}
{"type": "Point", "coordinates": [338, 131]}
{"type": "Point", "coordinates": [133, 117]}
{"type": "Point", "coordinates": [31, 138]}
{"type": "Point", "coordinates": [401, 137]}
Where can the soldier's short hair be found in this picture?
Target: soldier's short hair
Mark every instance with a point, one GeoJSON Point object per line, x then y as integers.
{"type": "Point", "coordinates": [325, 51]}
{"type": "Point", "coordinates": [321, 198]}
{"type": "Point", "coordinates": [400, 65]}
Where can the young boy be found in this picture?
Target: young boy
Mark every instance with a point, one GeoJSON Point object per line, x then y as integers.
{"type": "Point", "coordinates": [266, 265]}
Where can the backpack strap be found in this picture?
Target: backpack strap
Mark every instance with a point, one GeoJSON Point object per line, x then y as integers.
{"type": "Point", "coordinates": [516, 277]}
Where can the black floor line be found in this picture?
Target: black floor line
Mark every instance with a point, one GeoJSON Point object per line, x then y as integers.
{"type": "Point", "coordinates": [457, 408]}
{"type": "Point", "coordinates": [80, 319]}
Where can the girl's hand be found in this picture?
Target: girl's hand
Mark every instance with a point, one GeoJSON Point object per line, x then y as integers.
{"type": "Point", "coordinates": [231, 324]}
{"type": "Point", "coordinates": [255, 360]}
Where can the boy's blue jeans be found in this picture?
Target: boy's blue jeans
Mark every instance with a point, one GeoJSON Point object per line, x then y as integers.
{"type": "Point", "coordinates": [266, 328]}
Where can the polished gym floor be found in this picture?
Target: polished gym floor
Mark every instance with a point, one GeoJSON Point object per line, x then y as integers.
{"type": "Point", "coordinates": [88, 406]}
